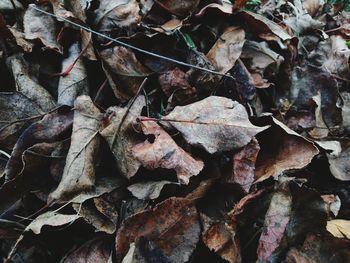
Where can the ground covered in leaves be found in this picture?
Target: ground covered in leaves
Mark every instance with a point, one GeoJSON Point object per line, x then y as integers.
{"type": "Point", "coordinates": [184, 131]}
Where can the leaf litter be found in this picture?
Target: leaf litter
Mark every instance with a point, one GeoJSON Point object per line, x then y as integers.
{"type": "Point", "coordinates": [174, 131]}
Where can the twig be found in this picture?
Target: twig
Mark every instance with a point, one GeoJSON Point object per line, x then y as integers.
{"type": "Point", "coordinates": [127, 111]}
{"type": "Point", "coordinates": [131, 46]}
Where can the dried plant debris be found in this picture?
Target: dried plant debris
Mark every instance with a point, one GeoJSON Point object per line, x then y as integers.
{"type": "Point", "coordinates": [174, 131]}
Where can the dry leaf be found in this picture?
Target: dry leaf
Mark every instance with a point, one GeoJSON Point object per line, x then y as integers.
{"type": "Point", "coordinates": [50, 218]}
{"type": "Point", "coordinates": [40, 26]}
{"type": "Point", "coordinates": [214, 123]}
{"type": "Point", "coordinates": [276, 220]}
{"type": "Point", "coordinates": [125, 139]}
{"type": "Point", "coordinates": [76, 82]}
{"type": "Point", "coordinates": [79, 171]}
{"type": "Point", "coordinates": [27, 86]}
{"type": "Point", "coordinates": [181, 9]}
{"type": "Point", "coordinates": [172, 225]}
{"type": "Point", "coordinates": [123, 70]}
{"type": "Point", "coordinates": [339, 164]}
{"type": "Point", "coordinates": [165, 153]}
{"type": "Point", "coordinates": [97, 250]}
{"type": "Point", "coordinates": [244, 165]}
{"type": "Point", "coordinates": [281, 149]}
{"type": "Point", "coordinates": [117, 13]}
{"type": "Point", "coordinates": [148, 190]}
{"type": "Point", "coordinates": [15, 106]}
{"type": "Point", "coordinates": [227, 49]}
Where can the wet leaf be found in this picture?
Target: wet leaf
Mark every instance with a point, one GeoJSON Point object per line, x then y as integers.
{"type": "Point", "coordinates": [172, 225]}
{"type": "Point", "coordinates": [215, 124]}
{"type": "Point", "coordinates": [162, 151]}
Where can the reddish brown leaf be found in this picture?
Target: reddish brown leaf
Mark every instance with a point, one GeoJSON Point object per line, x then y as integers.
{"type": "Point", "coordinates": [172, 225]}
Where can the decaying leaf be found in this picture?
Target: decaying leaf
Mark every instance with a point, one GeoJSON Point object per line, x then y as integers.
{"type": "Point", "coordinates": [15, 106]}
{"type": "Point", "coordinates": [148, 190]}
{"type": "Point", "coordinates": [162, 151]}
{"type": "Point", "coordinates": [97, 250]}
{"type": "Point", "coordinates": [122, 130]}
{"type": "Point", "coordinates": [120, 13]}
{"type": "Point", "coordinates": [173, 226]}
{"type": "Point", "coordinates": [50, 218]}
{"type": "Point", "coordinates": [79, 171]}
{"type": "Point", "coordinates": [244, 165]}
{"type": "Point", "coordinates": [282, 149]}
{"type": "Point", "coordinates": [75, 83]}
{"type": "Point", "coordinates": [124, 72]}
{"type": "Point", "coordinates": [215, 124]}
{"type": "Point", "coordinates": [339, 163]}
{"type": "Point", "coordinates": [40, 26]}
{"type": "Point", "coordinates": [227, 49]}
{"type": "Point", "coordinates": [27, 86]}
{"type": "Point", "coordinates": [181, 9]}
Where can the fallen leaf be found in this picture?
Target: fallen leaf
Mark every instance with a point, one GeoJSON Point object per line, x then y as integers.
{"type": "Point", "coordinates": [40, 26]}
{"type": "Point", "coordinates": [320, 248]}
{"type": "Point", "coordinates": [120, 13]}
{"type": "Point", "coordinates": [52, 128]}
{"type": "Point", "coordinates": [215, 124]}
{"type": "Point", "coordinates": [162, 151]}
{"type": "Point", "coordinates": [181, 9]}
{"type": "Point", "coordinates": [97, 250]}
{"type": "Point", "coordinates": [75, 83]}
{"type": "Point", "coordinates": [123, 70]}
{"type": "Point", "coordinates": [125, 138]}
{"type": "Point", "coordinates": [244, 165]}
{"type": "Point", "coordinates": [27, 86]}
{"type": "Point", "coordinates": [172, 225]}
{"type": "Point", "coordinates": [148, 190]}
{"type": "Point", "coordinates": [227, 49]}
{"type": "Point", "coordinates": [281, 149]}
{"type": "Point", "coordinates": [50, 218]}
{"type": "Point", "coordinates": [79, 171]}
{"type": "Point", "coordinates": [333, 204]}
{"type": "Point", "coordinates": [338, 164]}
{"type": "Point", "coordinates": [15, 107]}
{"type": "Point", "coordinates": [339, 228]}
{"type": "Point", "coordinates": [276, 220]}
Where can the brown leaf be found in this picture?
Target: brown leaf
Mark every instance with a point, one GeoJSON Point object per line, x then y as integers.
{"type": "Point", "coordinates": [97, 250]}
{"type": "Point", "coordinates": [27, 86]}
{"type": "Point", "coordinates": [40, 26]}
{"type": "Point", "coordinates": [76, 82]}
{"type": "Point", "coordinates": [124, 72]}
{"type": "Point", "coordinates": [15, 106]}
{"type": "Point", "coordinates": [320, 248]}
{"type": "Point", "coordinates": [148, 190]}
{"type": "Point", "coordinates": [165, 153]}
{"type": "Point", "coordinates": [119, 13]}
{"type": "Point", "coordinates": [79, 171]}
{"type": "Point", "coordinates": [282, 149]}
{"type": "Point", "coordinates": [172, 225]}
{"type": "Point", "coordinates": [52, 128]}
{"type": "Point", "coordinates": [244, 165]}
{"type": "Point", "coordinates": [214, 123]}
{"type": "Point", "coordinates": [181, 9]}
{"type": "Point", "coordinates": [220, 239]}
{"type": "Point", "coordinates": [227, 49]}
{"type": "Point", "coordinates": [126, 139]}
{"type": "Point", "coordinates": [276, 220]}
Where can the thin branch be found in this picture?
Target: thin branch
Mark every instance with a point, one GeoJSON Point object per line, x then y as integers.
{"type": "Point", "coordinates": [133, 47]}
